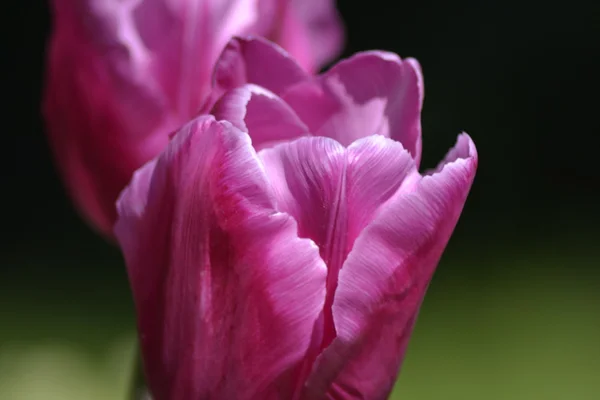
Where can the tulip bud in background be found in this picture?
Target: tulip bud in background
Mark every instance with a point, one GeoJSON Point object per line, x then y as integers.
{"type": "Point", "coordinates": [266, 266]}
{"type": "Point", "coordinates": [123, 74]}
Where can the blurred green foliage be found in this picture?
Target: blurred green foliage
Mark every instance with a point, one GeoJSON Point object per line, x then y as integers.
{"type": "Point", "coordinates": [527, 329]}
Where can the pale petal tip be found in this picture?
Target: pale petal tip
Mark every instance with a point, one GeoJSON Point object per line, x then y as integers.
{"type": "Point", "coordinates": [413, 62]}
{"type": "Point", "coordinates": [133, 196]}
{"type": "Point", "coordinates": [463, 151]}
{"type": "Point", "coordinates": [465, 147]}
{"type": "Point", "coordinates": [382, 54]}
{"type": "Point", "coordinates": [390, 57]}
{"type": "Point", "coordinates": [418, 70]}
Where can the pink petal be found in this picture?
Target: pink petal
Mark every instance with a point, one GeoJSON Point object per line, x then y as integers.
{"type": "Point", "coordinates": [224, 312]}
{"type": "Point", "coordinates": [377, 168]}
{"type": "Point", "coordinates": [383, 281]}
{"type": "Point", "coordinates": [307, 177]}
{"type": "Point", "coordinates": [334, 192]}
{"type": "Point", "coordinates": [95, 151]}
{"type": "Point", "coordinates": [310, 30]}
{"type": "Point", "coordinates": [369, 93]}
{"type": "Point", "coordinates": [254, 60]}
{"type": "Point", "coordinates": [101, 116]}
{"type": "Point", "coordinates": [184, 39]}
{"type": "Point", "coordinates": [266, 118]}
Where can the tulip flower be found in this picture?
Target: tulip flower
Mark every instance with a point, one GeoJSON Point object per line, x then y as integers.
{"type": "Point", "coordinates": [281, 247]}
{"type": "Point", "coordinates": [123, 74]}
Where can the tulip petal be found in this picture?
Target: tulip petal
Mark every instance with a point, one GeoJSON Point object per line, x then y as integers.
{"type": "Point", "coordinates": [267, 119]}
{"type": "Point", "coordinates": [101, 109]}
{"type": "Point", "coordinates": [377, 169]}
{"type": "Point", "coordinates": [334, 192]}
{"type": "Point", "coordinates": [370, 93]}
{"type": "Point", "coordinates": [383, 281]}
{"type": "Point", "coordinates": [306, 176]}
{"type": "Point", "coordinates": [224, 310]}
{"type": "Point", "coordinates": [254, 60]}
{"type": "Point", "coordinates": [319, 182]}
{"type": "Point", "coordinates": [183, 39]}
{"type": "Point", "coordinates": [311, 30]}
{"type": "Point", "coordinates": [316, 180]}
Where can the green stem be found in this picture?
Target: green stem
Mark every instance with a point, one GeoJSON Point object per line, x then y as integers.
{"type": "Point", "coordinates": [138, 389]}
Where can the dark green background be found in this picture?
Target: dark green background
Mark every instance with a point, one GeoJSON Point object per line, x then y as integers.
{"type": "Point", "coordinates": [514, 309]}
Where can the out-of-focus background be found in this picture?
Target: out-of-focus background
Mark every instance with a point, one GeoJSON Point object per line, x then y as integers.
{"type": "Point", "coordinates": [514, 309]}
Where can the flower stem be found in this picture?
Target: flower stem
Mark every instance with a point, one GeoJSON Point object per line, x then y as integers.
{"type": "Point", "coordinates": [138, 390]}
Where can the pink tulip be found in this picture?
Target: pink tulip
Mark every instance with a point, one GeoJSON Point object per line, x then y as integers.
{"type": "Point", "coordinates": [123, 74]}
{"type": "Point", "coordinates": [293, 268]}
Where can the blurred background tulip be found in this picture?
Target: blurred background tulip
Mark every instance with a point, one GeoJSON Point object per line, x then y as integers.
{"type": "Point", "coordinates": [513, 309]}
{"type": "Point", "coordinates": [122, 75]}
